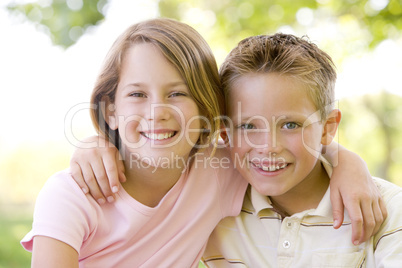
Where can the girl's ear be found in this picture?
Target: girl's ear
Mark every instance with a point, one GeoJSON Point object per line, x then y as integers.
{"type": "Point", "coordinates": [224, 135]}
{"type": "Point", "coordinates": [108, 112]}
{"type": "Point", "coordinates": [330, 126]}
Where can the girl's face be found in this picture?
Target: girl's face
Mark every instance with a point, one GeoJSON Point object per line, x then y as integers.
{"type": "Point", "coordinates": [157, 118]}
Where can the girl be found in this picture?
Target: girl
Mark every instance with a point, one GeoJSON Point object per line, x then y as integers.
{"type": "Point", "coordinates": [158, 100]}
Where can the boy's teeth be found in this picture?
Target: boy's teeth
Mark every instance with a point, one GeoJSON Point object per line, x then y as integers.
{"type": "Point", "coordinates": [273, 167]}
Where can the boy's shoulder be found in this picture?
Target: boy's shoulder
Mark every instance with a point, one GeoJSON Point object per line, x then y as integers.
{"type": "Point", "coordinates": [388, 189]}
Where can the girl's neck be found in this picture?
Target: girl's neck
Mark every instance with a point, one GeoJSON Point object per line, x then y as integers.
{"type": "Point", "coordinates": [149, 184]}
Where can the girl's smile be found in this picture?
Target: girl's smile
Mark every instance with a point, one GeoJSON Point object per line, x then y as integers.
{"type": "Point", "coordinates": [154, 110]}
{"type": "Point", "coordinates": [159, 135]}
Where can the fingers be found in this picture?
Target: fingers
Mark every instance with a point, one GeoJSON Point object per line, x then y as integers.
{"type": "Point", "coordinates": [120, 167]}
{"type": "Point", "coordinates": [383, 208]}
{"type": "Point", "coordinates": [99, 186]}
{"type": "Point", "coordinates": [356, 217]}
{"type": "Point", "coordinates": [367, 217]}
{"type": "Point", "coordinates": [337, 208]}
{"type": "Point", "coordinates": [369, 221]}
{"type": "Point", "coordinates": [98, 170]}
{"type": "Point", "coordinates": [112, 173]}
{"type": "Point", "coordinates": [77, 175]}
{"type": "Point", "coordinates": [379, 216]}
{"type": "Point", "coordinates": [90, 178]}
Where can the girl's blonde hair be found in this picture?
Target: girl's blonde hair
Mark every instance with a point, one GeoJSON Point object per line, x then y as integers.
{"type": "Point", "coordinates": [288, 55]}
{"type": "Point", "coordinates": [186, 49]}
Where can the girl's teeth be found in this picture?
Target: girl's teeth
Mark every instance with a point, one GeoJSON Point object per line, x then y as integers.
{"type": "Point", "coordinates": [161, 136]}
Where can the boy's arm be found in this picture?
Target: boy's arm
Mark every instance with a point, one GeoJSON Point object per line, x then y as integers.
{"type": "Point", "coordinates": [352, 187]}
{"type": "Point", "coordinates": [49, 252]}
{"type": "Point", "coordinates": [98, 169]}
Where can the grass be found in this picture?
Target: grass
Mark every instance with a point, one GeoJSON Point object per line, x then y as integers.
{"type": "Point", "coordinates": [15, 222]}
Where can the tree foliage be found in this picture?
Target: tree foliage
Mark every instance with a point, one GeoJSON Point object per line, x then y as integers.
{"type": "Point", "coordinates": [64, 21]}
{"type": "Point", "coordinates": [67, 20]}
{"type": "Point", "coordinates": [372, 125]}
{"type": "Point", "coordinates": [373, 121]}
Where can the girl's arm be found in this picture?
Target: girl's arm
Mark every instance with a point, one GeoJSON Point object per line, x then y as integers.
{"type": "Point", "coordinates": [352, 187]}
{"type": "Point", "coordinates": [48, 253]}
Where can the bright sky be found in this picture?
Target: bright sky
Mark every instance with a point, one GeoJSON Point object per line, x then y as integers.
{"type": "Point", "coordinates": [41, 83]}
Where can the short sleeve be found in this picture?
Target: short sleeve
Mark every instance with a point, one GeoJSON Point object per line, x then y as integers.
{"type": "Point", "coordinates": [387, 241]}
{"type": "Point", "coordinates": [62, 211]}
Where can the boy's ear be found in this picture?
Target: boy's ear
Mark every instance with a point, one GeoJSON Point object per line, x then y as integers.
{"type": "Point", "coordinates": [108, 113]}
{"type": "Point", "coordinates": [330, 126]}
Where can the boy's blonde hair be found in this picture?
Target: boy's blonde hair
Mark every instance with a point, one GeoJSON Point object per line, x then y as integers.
{"type": "Point", "coordinates": [288, 55]}
{"type": "Point", "coordinates": [186, 49]}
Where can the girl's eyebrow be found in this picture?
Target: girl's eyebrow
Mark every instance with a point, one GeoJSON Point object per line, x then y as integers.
{"type": "Point", "coordinates": [144, 85]}
{"type": "Point", "coordinates": [177, 83]}
{"type": "Point", "coordinates": [169, 84]}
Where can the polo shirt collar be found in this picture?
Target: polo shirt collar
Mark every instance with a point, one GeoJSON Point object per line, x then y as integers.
{"type": "Point", "coordinates": [259, 201]}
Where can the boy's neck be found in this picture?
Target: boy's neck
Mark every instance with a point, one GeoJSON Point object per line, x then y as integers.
{"type": "Point", "coordinates": [306, 195]}
{"type": "Point", "coordinates": [148, 185]}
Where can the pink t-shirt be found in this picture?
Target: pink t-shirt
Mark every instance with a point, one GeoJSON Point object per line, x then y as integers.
{"type": "Point", "coordinates": [127, 233]}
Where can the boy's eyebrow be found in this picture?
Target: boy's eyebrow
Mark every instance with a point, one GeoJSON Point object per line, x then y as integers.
{"type": "Point", "coordinates": [279, 117]}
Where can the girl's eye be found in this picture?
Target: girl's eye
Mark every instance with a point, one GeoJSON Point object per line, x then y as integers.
{"type": "Point", "coordinates": [247, 126]}
{"type": "Point", "coordinates": [177, 94]}
{"type": "Point", "coordinates": [290, 125]}
{"type": "Point", "coordinates": [138, 95]}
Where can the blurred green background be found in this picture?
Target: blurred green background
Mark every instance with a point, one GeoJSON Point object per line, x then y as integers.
{"type": "Point", "coordinates": [51, 51]}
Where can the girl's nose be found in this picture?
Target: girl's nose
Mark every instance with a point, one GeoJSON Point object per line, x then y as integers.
{"type": "Point", "coordinates": [160, 111]}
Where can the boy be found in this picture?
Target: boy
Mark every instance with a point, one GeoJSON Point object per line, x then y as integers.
{"type": "Point", "coordinates": [280, 94]}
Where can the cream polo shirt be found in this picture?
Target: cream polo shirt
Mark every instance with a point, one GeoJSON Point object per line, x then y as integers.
{"type": "Point", "coordinates": [259, 237]}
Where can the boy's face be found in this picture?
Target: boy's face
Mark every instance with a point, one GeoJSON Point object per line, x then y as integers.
{"type": "Point", "coordinates": [276, 134]}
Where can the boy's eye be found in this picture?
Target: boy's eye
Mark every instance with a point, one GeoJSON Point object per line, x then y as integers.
{"type": "Point", "coordinates": [138, 95]}
{"type": "Point", "coordinates": [247, 126]}
{"type": "Point", "coordinates": [290, 125]}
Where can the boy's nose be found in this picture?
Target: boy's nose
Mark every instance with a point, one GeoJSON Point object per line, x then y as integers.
{"type": "Point", "coordinates": [270, 143]}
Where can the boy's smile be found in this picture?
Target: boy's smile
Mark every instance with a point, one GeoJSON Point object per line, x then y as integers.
{"type": "Point", "coordinates": [275, 134]}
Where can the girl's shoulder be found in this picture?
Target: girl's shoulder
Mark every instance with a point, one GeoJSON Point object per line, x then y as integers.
{"type": "Point", "coordinates": [63, 183]}
{"type": "Point", "coordinates": [212, 159]}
